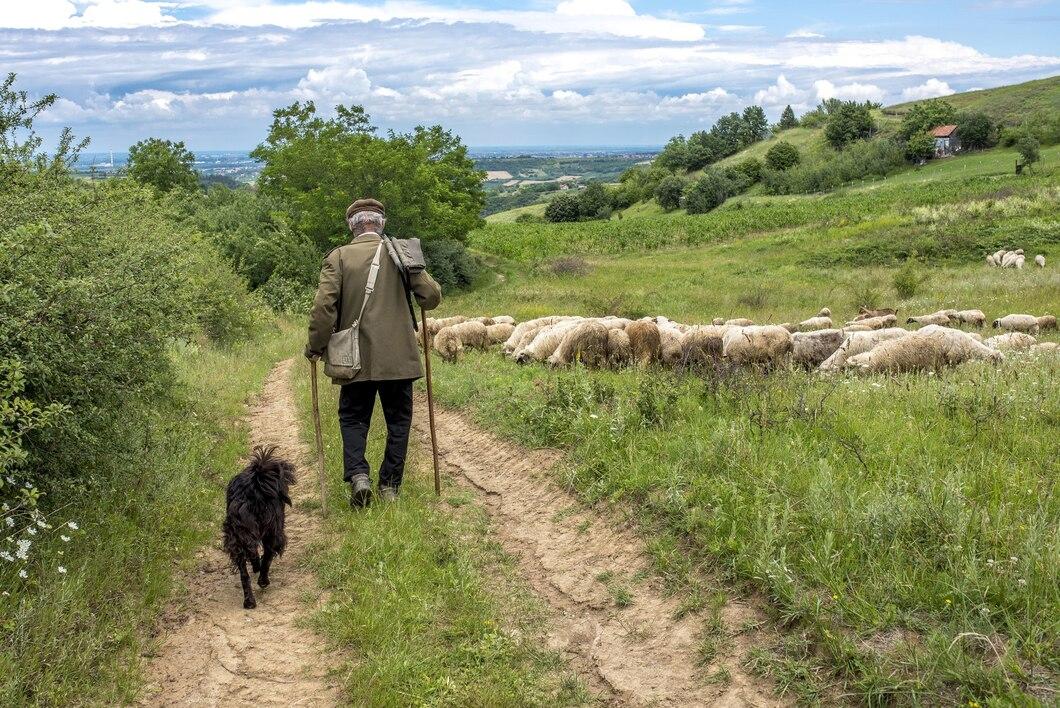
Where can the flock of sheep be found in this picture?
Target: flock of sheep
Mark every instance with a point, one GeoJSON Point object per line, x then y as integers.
{"type": "Point", "coordinates": [871, 342]}
{"type": "Point", "coordinates": [1012, 259]}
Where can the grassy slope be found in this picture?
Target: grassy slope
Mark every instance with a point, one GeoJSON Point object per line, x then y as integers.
{"type": "Point", "coordinates": [78, 638]}
{"type": "Point", "coordinates": [424, 605]}
{"type": "Point", "coordinates": [506, 217]}
{"type": "Point", "coordinates": [1007, 104]}
{"type": "Point", "coordinates": [885, 517]}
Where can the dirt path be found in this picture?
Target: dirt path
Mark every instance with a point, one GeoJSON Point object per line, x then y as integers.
{"type": "Point", "coordinates": [610, 618]}
{"type": "Point", "coordinates": [215, 653]}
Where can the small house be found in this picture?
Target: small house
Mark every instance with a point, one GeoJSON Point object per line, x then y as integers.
{"type": "Point", "coordinates": [946, 140]}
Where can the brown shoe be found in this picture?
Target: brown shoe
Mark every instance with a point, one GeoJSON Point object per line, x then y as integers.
{"type": "Point", "coordinates": [360, 491]}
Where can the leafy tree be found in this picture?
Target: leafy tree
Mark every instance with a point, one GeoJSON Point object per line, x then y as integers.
{"type": "Point", "coordinates": [787, 119]}
{"type": "Point", "coordinates": [669, 191]}
{"type": "Point", "coordinates": [704, 148]}
{"type": "Point", "coordinates": [848, 121]}
{"type": "Point", "coordinates": [751, 168]}
{"type": "Point", "coordinates": [782, 156]}
{"type": "Point", "coordinates": [926, 115]}
{"type": "Point", "coordinates": [593, 200]}
{"type": "Point", "coordinates": [19, 144]}
{"type": "Point", "coordinates": [163, 164]}
{"type": "Point", "coordinates": [920, 147]}
{"type": "Point", "coordinates": [729, 131]}
{"type": "Point", "coordinates": [565, 206]}
{"type": "Point", "coordinates": [706, 193]}
{"type": "Point", "coordinates": [674, 155]}
{"type": "Point", "coordinates": [1029, 149]}
{"type": "Point", "coordinates": [975, 131]}
{"type": "Point", "coordinates": [315, 167]}
{"type": "Point", "coordinates": [755, 126]}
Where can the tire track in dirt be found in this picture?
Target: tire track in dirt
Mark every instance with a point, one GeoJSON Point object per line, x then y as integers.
{"type": "Point", "coordinates": [636, 654]}
{"type": "Point", "coordinates": [212, 652]}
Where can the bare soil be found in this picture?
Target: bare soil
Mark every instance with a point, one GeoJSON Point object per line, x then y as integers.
{"type": "Point", "coordinates": [608, 615]}
{"type": "Point", "coordinates": [213, 652]}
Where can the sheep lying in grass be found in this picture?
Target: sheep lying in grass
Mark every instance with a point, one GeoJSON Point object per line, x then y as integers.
{"type": "Point", "coordinates": [811, 349]}
{"type": "Point", "coordinates": [990, 260]}
{"type": "Point", "coordinates": [815, 323]}
{"type": "Point", "coordinates": [436, 325]}
{"type": "Point", "coordinates": [935, 318]}
{"type": "Point", "coordinates": [1051, 347]}
{"type": "Point", "coordinates": [586, 342]}
{"type": "Point", "coordinates": [877, 322]}
{"type": "Point", "coordinates": [503, 319]}
{"type": "Point", "coordinates": [975, 318]}
{"type": "Point", "coordinates": [928, 349]}
{"type": "Point", "coordinates": [1017, 323]}
{"type": "Point", "coordinates": [767, 345]}
{"type": "Point", "coordinates": [864, 313]}
{"type": "Point", "coordinates": [645, 343]}
{"type": "Point", "coordinates": [545, 342]}
{"type": "Point", "coordinates": [516, 340]}
{"type": "Point", "coordinates": [452, 340]}
{"type": "Point", "coordinates": [670, 335]}
{"type": "Point", "coordinates": [1011, 341]}
{"type": "Point", "coordinates": [499, 332]}
{"type": "Point", "coordinates": [702, 346]}
{"type": "Point", "coordinates": [1039, 260]}
{"type": "Point", "coordinates": [1047, 322]}
{"type": "Point", "coordinates": [619, 349]}
{"type": "Point", "coordinates": [739, 322]}
{"type": "Point", "coordinates": [857, 343]}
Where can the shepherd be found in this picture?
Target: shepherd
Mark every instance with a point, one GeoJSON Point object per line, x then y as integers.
{"type": "Point", "coordinates": [363, 325]}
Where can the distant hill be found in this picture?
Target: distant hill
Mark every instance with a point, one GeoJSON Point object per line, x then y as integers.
{"type": "Point", "coordinates": [1005, 104]}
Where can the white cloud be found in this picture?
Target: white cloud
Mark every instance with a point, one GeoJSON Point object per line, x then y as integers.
{"type": "Point", "coordinates": [738, 28]}
{"type": "Point", "coordinates": [782, 92]}
{"type": "Point", "coordinates": [714, 96]}
{"type": "Point", "coordinates": [124, 13]}
{"type": "Point", "coordinates": [40, 14]}
{"type": "Point", "coordinates": [333, 84]}
{"type": "Point", "coordinates": [804, 33]}
{"type": "Point", "coordinates": [851, 92]}
{"type": "Point", "coordinates": [728, 7]}
{"type": "Point", "coordinates": [932, 88]}
{"type": "Point", "coordinates": [596, 8]}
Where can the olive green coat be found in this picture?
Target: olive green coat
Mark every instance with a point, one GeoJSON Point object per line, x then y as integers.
{"type": "Point", "coordinates": [387, 339]}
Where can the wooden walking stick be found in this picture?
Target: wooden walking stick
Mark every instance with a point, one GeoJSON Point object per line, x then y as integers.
{"type": "Point", "coordinates": [320, 439]}
{"type": "Point", "coordinates": [430, 401]}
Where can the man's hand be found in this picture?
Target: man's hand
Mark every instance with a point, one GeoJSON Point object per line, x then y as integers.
{"type": "Point", "coordinates": [311, 356]}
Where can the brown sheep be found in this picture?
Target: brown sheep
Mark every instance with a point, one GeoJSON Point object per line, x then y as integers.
{"type": "Point", "coordinates": [877, 322]}
{"type": "Point", "coordinates": [768, 345]}
{"type": "Point", "coordinates": [644, 342]}
{"type": "Point", "coordinates": [1046, 322]}
{"type": "Point", "coordinates": [619, 350]}
{"type": "Point", "coordinates": [865, 313]}
{"type": "Point", "coordinates": [701, 347]}
{"type": "Point", "coordinates": [452, 340]}
{"type": "Point", "coordinates": [585, 342]}
{"type": "Point", "coordinates": [499, 332]}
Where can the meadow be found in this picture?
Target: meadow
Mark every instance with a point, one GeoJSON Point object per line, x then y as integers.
{"type": "Point", "coordinates": [903, 528]}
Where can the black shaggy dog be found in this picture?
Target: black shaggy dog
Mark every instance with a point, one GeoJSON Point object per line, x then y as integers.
{"type": "Point", "coordinates": [256, 515]}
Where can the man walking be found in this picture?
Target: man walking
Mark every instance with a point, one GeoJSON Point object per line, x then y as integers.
{"type": "Point", "coordinates": [389, 357]}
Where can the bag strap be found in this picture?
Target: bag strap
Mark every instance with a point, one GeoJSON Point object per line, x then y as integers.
{"type": "Point", "coordinates": [395, 256]}
{"type": "Point", "coordinates": [369, 287]}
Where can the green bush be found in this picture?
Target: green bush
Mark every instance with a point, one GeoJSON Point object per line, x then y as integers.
{"type": "Point", "coordinates": [565, 206]}
{"type": "Point", "coordinates": [848, 122]}
{"type": "Point", "coordinates": [668, 192]}
{"type": "Point", "coordinates": [751, 168]}
{"type": "Point", "coordinates": [782, 156]}
{"type": "Point", "coordinates": [449, 262]}
{"type": "Point", "coordinates": [926, 115]}
{"type": "Point", "coordinates": [920, 146]}
{"type": "Point", "coordinates": [908, 279]}
{"type": "Point", "coordinates": [875, 158]}
{"type": "Point", "coordinates": [975, 131]}
{"type": "Point", "coordinates": [706, 193]}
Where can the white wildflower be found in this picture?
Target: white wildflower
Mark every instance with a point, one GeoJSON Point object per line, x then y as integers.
{"type": "Point", "coordinates": [72, 525]}
{"type": "Point", "coordinates": [64, 537]}
{"type": "Point", "coordinates": [5, 507]}
{"type": "Point", "coordinates": [1014, 559]}
{"type": "Point", "coordinates": [1021, 582]}
{"type": "Point", "coordinates": [31, 531]}
{"type": "Point", "coordinates": [6, 556]}
{"type": "Point", "coordinates": [23, 548]}
{"type": "Point", "coordinates": [61, 569]}
{"type": "Point", "coordinates": [23, 574]}
{"type": "Point", "coordinates": [10, 522]}
{"type": "Point", "coordinates": [593, 416]}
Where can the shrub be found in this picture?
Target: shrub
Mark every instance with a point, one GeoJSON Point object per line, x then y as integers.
{"type": "Point", "coordinates": [876, 158]}
{"type": "Point", "coordinates": [163, 164]}
{"type": "Point", "coordinates": [568, 265]}
{"type": "Point", "coordinates": [528, 218]}
{"type": "Point", "coordinates": [751, 167]}
{"type": "Point", "coordinates": [920, 147]}
{"type": "Point", "coordinates": [565, 206]}
{"type": "Point", "coordinates": [975, 131]}
{"type": "Point", "coordinates": [450, 263]}
{"type": "Point", "coordinates": [593, 200]}
{"type": "Point", "coordinates": [782, 156]}
{"type": "Point", "coordinates": [668, 192]}
{"type": "Point", "coordinates": [926, 115]}
{"type": "Point", "coordinates": [287, 296]}
{"type": "Point", "coordinates": [908, 279]}
{"type": "Point", "coordinates": [706, 193]}
{"type": "Point", "coordinates": [1029, 149]}
{"type": "Point", "coordinates": [848, 122]}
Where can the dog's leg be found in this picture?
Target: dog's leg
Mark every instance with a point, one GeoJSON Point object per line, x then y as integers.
{"type": "Point", "coordinates": [266, 563]}
{"type": "Point", "coordinates": [255, 561]}
{"type": "Point", "coordinates": [248, 592]}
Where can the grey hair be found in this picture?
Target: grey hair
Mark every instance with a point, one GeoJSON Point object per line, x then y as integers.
{"type": "Point", "coordinates": [367, 217]}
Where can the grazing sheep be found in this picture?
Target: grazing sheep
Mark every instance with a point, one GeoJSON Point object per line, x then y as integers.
{"type": "Point", "coordinates": [1011, 342]}
{"type": "Point", "coordinates": [1017, 323]}
{"type": "Point", "coordinates": [810, 349]}
{"type": "Point", "coordinates": [767, 345]}
{"type": "Point", "coordinates": [927, 349]}
{"type": "Point", "coordinates": [1019, 261]}
{"type": "Point", "coordinates": [976, 318]}
{"type": "Point", "coordinates": [503, 319]}
{"type": "Point", "coordinates": [864, 313]}
{"type": "Point", "coordinates": [856, 328]}
{"type": "Point", "coordinates": [619, 349]}
{"type": "Point", "coordinates": [1046, 347]}
{"type": "Point", "coordinates": [702, 346]}
{"type": "Point", "coordinates": [877, 322]}
{"type": "Point", "coordinates": [545, 342]}
{"type": "Point", "coordinates": [739, 322]}
{"type": "Point", "coordinates": [516, 340]}
{"type": "Point", "coordinates": [935, 318]}
{"type": "Point", "coordinates": [670, 336]}
{"type": "Point", "coordinates": [644, 342]}
{"type": "Point", "coordinates": [1009, 259]}
{"type": "Point", "coordinates": [859, 343]}
{"type": "Point", "coordinates": [999, 256]}
{"type": "Point", "coordinates": [612, 322]}
{"type": "Point", "coordinates": [452, 340]}
{"type": "Point", "coordinates": [718, 321]}
{"type": "Point", "coordinates": [990, 261]}
{"type": "Point", "coordinates": [815, 323]}
{"type": "Point", "coordinates": [499, 332]}
{"type": "Point", "coordinates": [1047, 322]}
{"type": "Point", "coordinates": [1039, 260]}
{"type": "Point", "coordinates": [586, 342]}
{"type": "Point", "coordinates": [487, 321]}
{"type": "Point", "coordinates": [434, 326]}
{"type": "Point", "coordinates": [824, 312]}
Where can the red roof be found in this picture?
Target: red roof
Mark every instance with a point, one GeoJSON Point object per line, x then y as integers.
{"type": "Point", "coordinates": [943, 131]}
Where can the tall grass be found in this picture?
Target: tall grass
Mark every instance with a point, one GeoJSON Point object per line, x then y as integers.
{"type": "Point", "coordinates": [76, 637]}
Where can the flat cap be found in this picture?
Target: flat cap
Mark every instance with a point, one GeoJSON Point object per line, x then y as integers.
{"type": "Point", "coordinates": [365, 205]}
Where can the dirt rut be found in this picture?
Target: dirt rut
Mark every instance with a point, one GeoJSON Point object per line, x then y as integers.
{"type": "Point", "coordinates": [215, 653]}
{"type": "Point", "coordinates": [610, 618]}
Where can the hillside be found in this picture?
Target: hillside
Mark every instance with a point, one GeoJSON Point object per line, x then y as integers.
{"type": "Point", "coordinates": [1005, 104]}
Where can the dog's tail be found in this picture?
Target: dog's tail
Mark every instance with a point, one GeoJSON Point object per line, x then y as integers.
{"type": "Point", "coordinates": [261, 455]}
{"type": "Point", "coordinates": [272, 472]}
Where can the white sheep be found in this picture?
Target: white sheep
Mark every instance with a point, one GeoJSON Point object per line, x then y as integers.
{"type": "Point", "coordinates": [545, 342]}
{"type": "Point", "coordinates": [940, 317]}
{"type": "Point", "coordinates": [858, 343]}
{"type": "Point", "coordinates": [619, 348]}
{"type": "Point", "coordinates": [702, 345]}
{"type": "Point", "coordinates": [586, 342]}
{"type": "Point", "coordinates": [503, 319]}
{"type": "Point", "coordinates": [1009, 259]}
{"type": "Point", "coordinates": [815, 323]}
{"type": "Point", "coordinates": [670, 335]}
{"type": "Point", "coordinates": [976, 318]}
{"type": "Point", "coordinates": [927, 349]}
{"type": "Point", "coordinates": [1011, 341]}
{"type": "Point", "coordinates": [499, 332]}
{"type": "Point", "coordinates": [990, 261]}
{"type": "Point", "coordinates": [1019, 261]}
{"type": "Point", "coordinates": [436, 325]}
{"type": "Point", "coordinates": [879, 322]}
{"type": "Point", "coordinates": [768, 345]}
{"type": "Point", "coordinates": [739, 322]}
{"type": "Point", "coordinates": [452, 340]}
{"type": "Point", "coordinates": [1017, 323]}
{"type": "Point", "coordinates": [810, 349]}
{"type": "Point", "coordinates": [521, 336]}
{"type": "Point", "coordinates": [1039, 260]}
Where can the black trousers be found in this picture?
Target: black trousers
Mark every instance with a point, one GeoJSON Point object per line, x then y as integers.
{"type": "Point", "coordinates": [356, 402]}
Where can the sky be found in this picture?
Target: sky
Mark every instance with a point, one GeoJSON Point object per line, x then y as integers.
{"type": "Point", "coordinates": [536, 72]}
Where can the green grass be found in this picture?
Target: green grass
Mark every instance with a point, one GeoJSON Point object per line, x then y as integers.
{"type": "Point", "coordinates": [904, 529]}
{"type": "Point", "coordinates": [506, 217]}
{"type": "Point", "coordinates": [1006, 104]}
{"type": "Point", "coordinates": [77, 638]}
{"type": "Point", "coordinates": [424, 605]}
{"type": "Point", "coordinates": [809, 141]}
